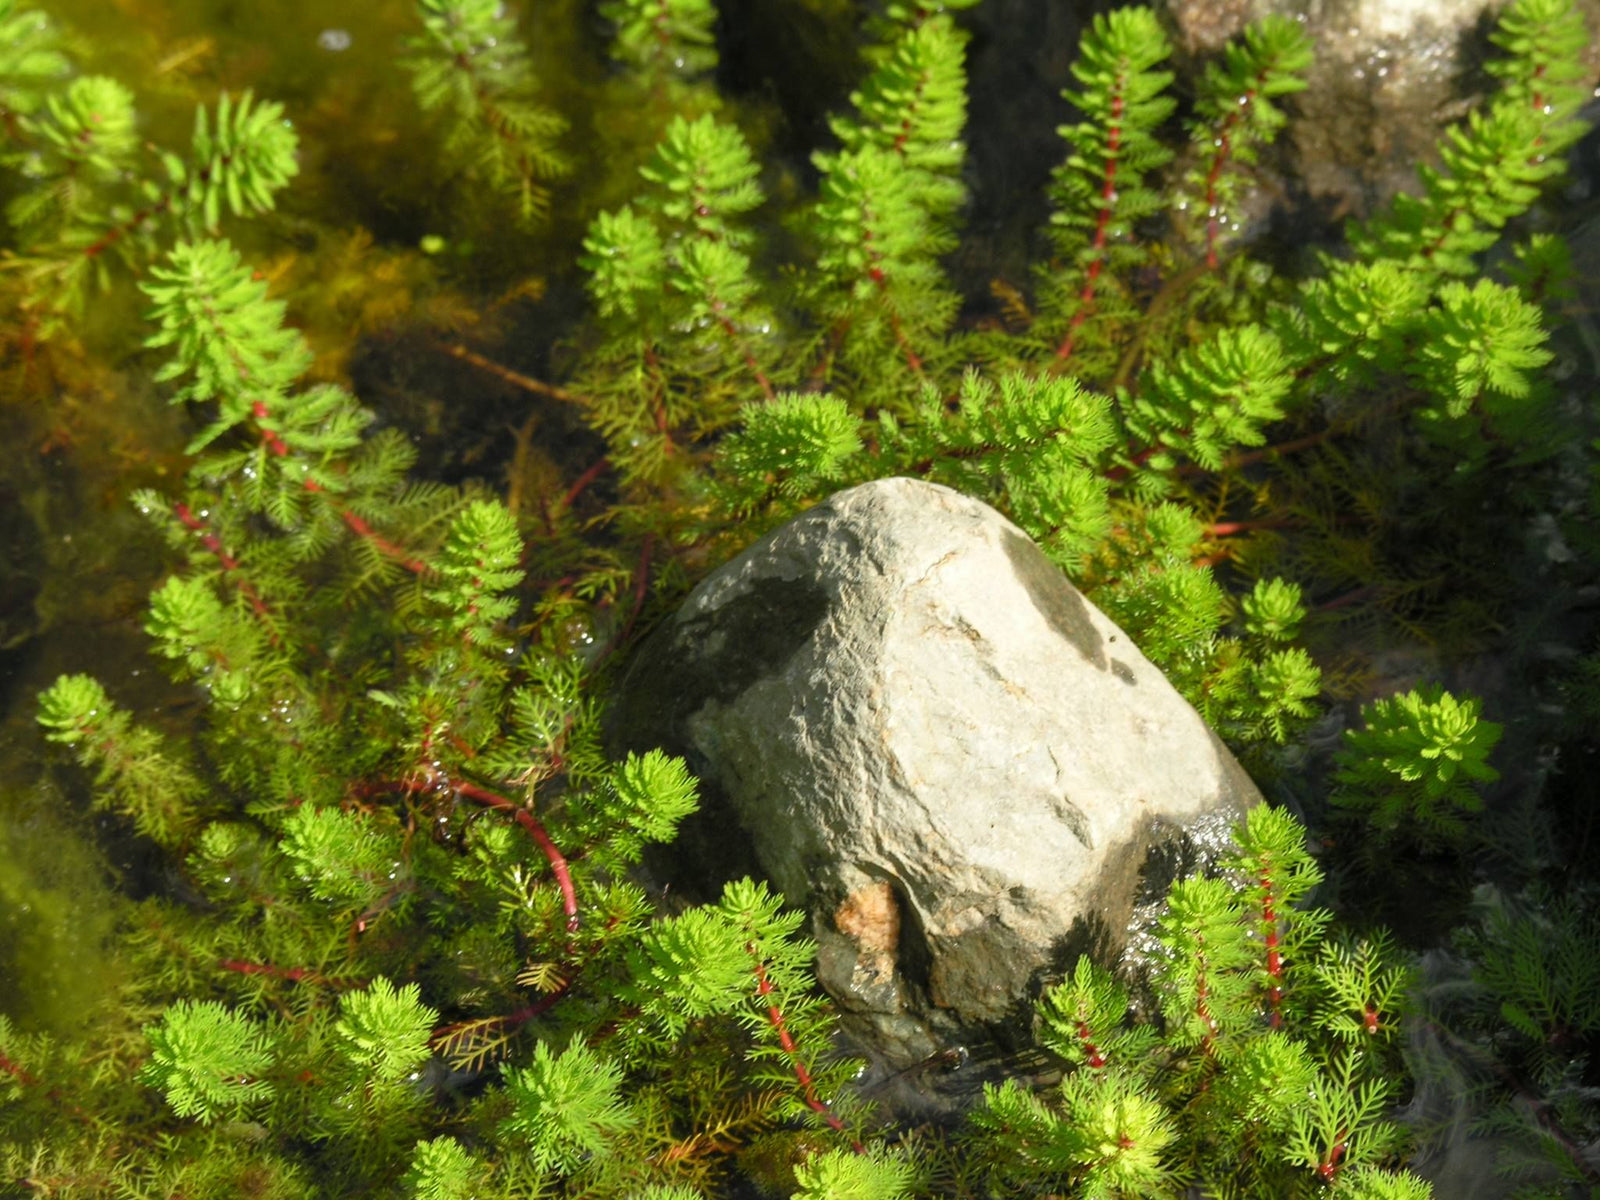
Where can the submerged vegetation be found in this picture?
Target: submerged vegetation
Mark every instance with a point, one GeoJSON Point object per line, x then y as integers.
{"type": "Point", "coordinates": [381, 937]}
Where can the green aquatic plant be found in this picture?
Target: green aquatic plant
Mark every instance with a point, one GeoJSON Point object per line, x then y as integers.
{"type": "Point", "coordinates": [470, 66]}
{"type": "Point", "coordinates": [89, 195]}
{"type": "Point", "coordinates": [402, 953]}
{"type": "Point", "coordinates": [1417, 763]}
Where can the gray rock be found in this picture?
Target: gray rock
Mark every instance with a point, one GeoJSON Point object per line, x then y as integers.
{"type": "Point", "coordinates": [906, 718]}
{"type": "Point", "coordinates": [1389, 76]}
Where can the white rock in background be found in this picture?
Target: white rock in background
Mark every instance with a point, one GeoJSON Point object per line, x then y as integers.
{"type": "Point", "coordinates": [1388, 77]}
{"type": "Point", "coordinates": [932, 743]}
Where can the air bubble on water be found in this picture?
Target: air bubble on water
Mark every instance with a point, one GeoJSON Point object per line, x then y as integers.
{"type": "Point", "coordinates": [334, 40]}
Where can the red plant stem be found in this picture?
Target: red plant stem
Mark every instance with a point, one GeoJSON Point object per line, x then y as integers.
{"type": "Point", "coordinates": [718, 306]}
{"type": "Point", "coordinates": [661, 26]}
{"type": "Point", "coordinates": [1233, 462]}
{"type": "Point", "coordinates": [1448, 221]}
{"type": "Point", "coordinates": [1229, 528]}
{"type": "Point", "coordinates": [1270, 941]}
{"type": "Point", "coordinates": [1360, 593]}
{"type": "Point", "coordinates": [1108, 198]}
{"type": "Point", "coordinates": [494, 116]}
{"type": "Point", "coordinates": [749, 358]}
{"type": "Point", "coordinates": [491, 799]}
{"type": "Point", "coordinates": [25, 1077]}
{"type": "Point", "coordinates": [924, 466]}
{"type": "Point", "coordinates": [558, 864]}
{"type": "Point", "coordinates": [808, 1086]}
{"type": "Point", "coordinates": [913, 360]}
{"type": "Point", "coordinates": [359, 527]}
{"type": "Point", "coordinates": [364, 531]}
{"type": "Point", "coordinates": [276, 444]}
{"type": "Point", "coordinates": [525, 1014]}
{"type": "Point", "coordinates": [117, 232]}
{"type": "Point", "coordinates": [876, 273]}
{"type": "Point", "coordinates": [1328, 1168]}
{"type": "Point", "coordinates": [918, 96]}
{"type": "Point", "coordinates": [207, 539]}
{"type": "Point", "coordinates": [641, 581]}
{"type": "Point", "coordinates": [1120, 472]}
{"type": "Point", "coordinates": [549, 527]}
{"type": "Point", "coordinates": [16, 1071]}
{"type": "Point", "coordinates": [214, 544]}
{"type": "Point", "coordinates": [520, 1016]}
{"type": "Point", "coordinates": [658, 403]}
{"type": "Point", "coordinates": [584, 481]}
{"type": "Point", "coordinates": [566, 581]}
{"type": "Point", "coordinates": [819, 372]}
{"type": "Point", "coordinates": [1223, 141]}
{"type": "Point", "coordinates": [1202, 1007]}
{"type": "Point", "coordinates": [1095, 1059]}
{"type": "Point", "coordinates": [292, 974]}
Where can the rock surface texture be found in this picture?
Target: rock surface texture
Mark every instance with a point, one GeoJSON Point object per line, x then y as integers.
{"type": "Point", "coordinates": [907, 719]}
{"type": "Point", "coordinates": [1388, 77]}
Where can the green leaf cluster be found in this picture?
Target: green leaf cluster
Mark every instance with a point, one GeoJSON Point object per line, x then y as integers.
{"type": "Point", "coordinates": [88, 198]}
{"type": "Point", "coordinates": [1417, 764]}
{"type": "Point", "coordinates": [469, 66]}
{"type": "Point", "coordinates": [1265, 1074]}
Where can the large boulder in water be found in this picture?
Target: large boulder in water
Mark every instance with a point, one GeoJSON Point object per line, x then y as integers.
{"type": "Point", "coordinates": [907, 719]}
